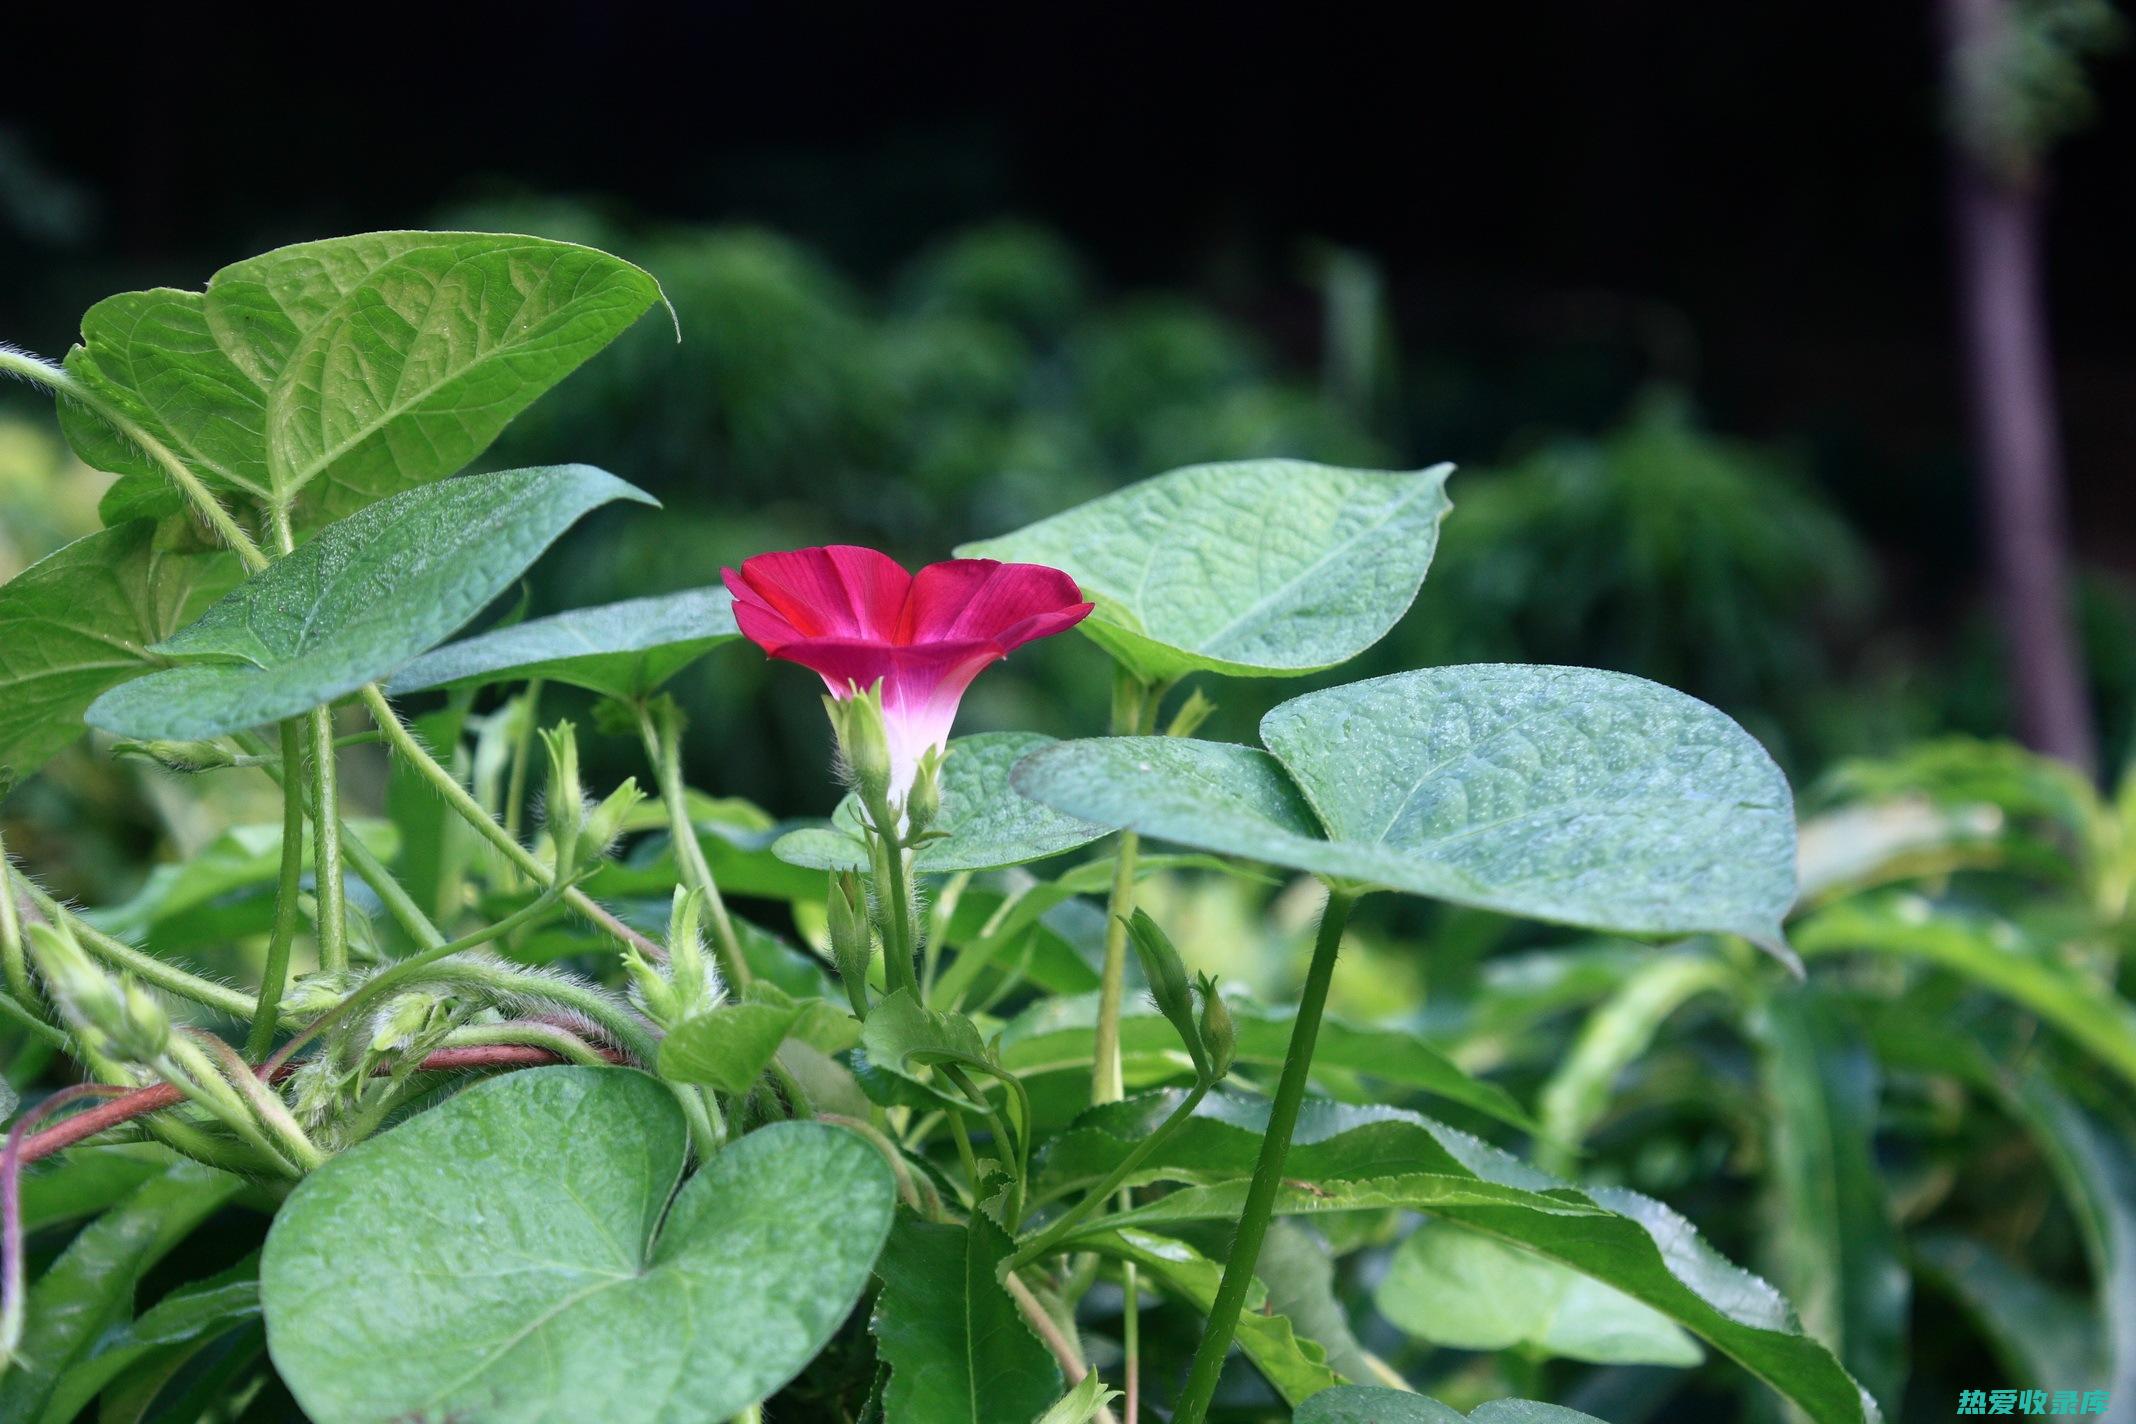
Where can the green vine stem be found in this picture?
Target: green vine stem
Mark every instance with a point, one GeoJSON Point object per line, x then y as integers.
{"type": "Point", "coordinates": [188, 1069]}
{"type": "Point", "coordinates": [274, 975]}
{"type": "Point", "coordinates": [662, 731]}
{"type": "Point", "coordinates": [266, 1106]}
{"type": "Point", "coordinates": [1134, 712]}
{"type": "Point", "coordinates": [330, 892]}
{"type": "Point", "coordinates": [326, 845]}
{"type": "Point", "coordinates": [894, 895]}
{"type": "Point", "coordinates": [147, 967]}
{"type": "Point", "coordinates": [515, 788]}
{"type": "Point", "coordinates": [61, 382]}
{"type": "Point", "coordinates": [368, 867]}
{"type": "Point", "coordinates": [411, 749]}
{"type": "Point", "coordinates": [1054, 1234]}
{"type": "Point", "coordinates": [1268, 1168]}
{"type": "Point", "coordinates": [12, 1008]}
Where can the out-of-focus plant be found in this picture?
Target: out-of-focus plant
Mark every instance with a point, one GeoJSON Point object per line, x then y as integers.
{"type": "Point", "coordinates": [1723, 570]}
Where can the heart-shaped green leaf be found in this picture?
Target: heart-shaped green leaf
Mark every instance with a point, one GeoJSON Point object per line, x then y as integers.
{"type": "Point", "coordinates": [958, 1351]}
{"type": "Point", "coordinates": [1455, 1288]}
{"type": "Point", "coordinates": [1259, 568]}
{"type": "Point", "coordinates": [989, 824]}
{"type": "Point", "coordinates": [348, 369]}
{"type": "Point", "coordinates": [80, 621]}
{"type": "Point", "coordinates": [357, 602]}
{"type": "Point", "coordinates": [512, 1256]}
{"type": "Point", "coordinates": [622, 650]}
{"type": "Point", "coordinates": [1629, 1242]}
{"type": "Point", "coordinates": [1563, 794]}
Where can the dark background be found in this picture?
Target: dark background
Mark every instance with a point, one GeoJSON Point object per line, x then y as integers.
{"type": "Point", "coordinates": [1567, 202]}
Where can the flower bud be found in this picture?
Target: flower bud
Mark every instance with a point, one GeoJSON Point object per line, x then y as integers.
{"type": "Point", "coordinates": [111, 1019]}
{"type": "Point", "coordinates": [1219, 1038]}
{"type": "Point", "coordinates": [148, 1027]}
{"type": "Point", "coordinates": [564, 808]}
{"type": "Point", "coordinates": [852, 942]}
{"type": "Point", "coordinates": [405, 1019]}
{"type": "Point", "coordinates": [654, 994]}
{"type": "Point", "coordinates": [604, 823]}
{"type": "Point", "coordinates": [315, 994]}
{"type": "Point", "coordinates": [695, 978]}
{"type": "Point", "coordinates": [924, 802]}
{"type": "Point", "coordinates": [864, 749]}
{"type": "Point", "coordinates": [1169, 988]}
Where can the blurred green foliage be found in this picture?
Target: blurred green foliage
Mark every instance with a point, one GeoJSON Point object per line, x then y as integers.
{"type": "Point", "coordinates": [994, 379]}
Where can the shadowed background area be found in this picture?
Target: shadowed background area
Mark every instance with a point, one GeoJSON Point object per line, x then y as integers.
{"type": "Point", "coordinates": [1673, 284]}
{"type": "Point", "coordinates": [942, 270]}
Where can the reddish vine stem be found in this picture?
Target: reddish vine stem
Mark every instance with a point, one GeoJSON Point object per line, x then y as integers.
{"type": "Point", "coordinates": [140, 1102]}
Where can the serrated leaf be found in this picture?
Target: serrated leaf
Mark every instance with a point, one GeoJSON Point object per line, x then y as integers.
{"type": "Point", "coordinates": [1634, 1244]}
{"type": "Point", "coordinates": [1563, 794]}
{"type": "Point", "coordinates": [548, 1278]}
{"type": "Point", "coordinates": [356, 603]}
{"type": "Point", "coordinates": [1452, 1287]}
{"type": "Point", "coordinates": [1255, 568]}
{"type": "Point", "coordinates": [958, 1351]}
{"type": "Point", "coordinates": [988, 823]}
{"type": "Point", "coordinates": [81, 621]}
{"type": "Point", "coordinates": [1059, 1034]}
{"type": "Point", "coordinates": [90, 1288]}
{"type": "Point", "coordinates": [1296, 1368]}
{"type": "Point", "coordinates": [624, 650]}
{"type": "Point", "coordinates": [1299, 1271]}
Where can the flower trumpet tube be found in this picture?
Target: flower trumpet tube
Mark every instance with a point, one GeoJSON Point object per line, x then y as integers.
{"type": "Point", "coordinates": [858, 619]}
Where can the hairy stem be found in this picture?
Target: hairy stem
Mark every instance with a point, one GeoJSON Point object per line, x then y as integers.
{"type": "Point", "coordinates": [326, 811]}
{"type": "Point", "coordinates": [151, 970]}
{"type": "Point", "coordinates": [368, 867]}
{"type": "Point", "coordinates": [1268, 1169]}
{"type": "Point", "coordinates": [1043, 1325]}
{"type": "Point", "coordinates": [62, 382]}
{"type": "Point", "coordinates": [326, 846]}
{"type": "Point", "coordinates": [894, 894]}
{"type": "Point", "coordinates": [663, 747]}
{"type": "Point", "coordinates": [275, 975]}
{"type": "Point", "coordinates": [515, 789]}
{"type": "Point", "coordinates": [410, 748]}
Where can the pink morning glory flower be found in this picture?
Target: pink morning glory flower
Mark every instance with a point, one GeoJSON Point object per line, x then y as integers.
{"type": "Point", "coordinates": [855, 616]}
